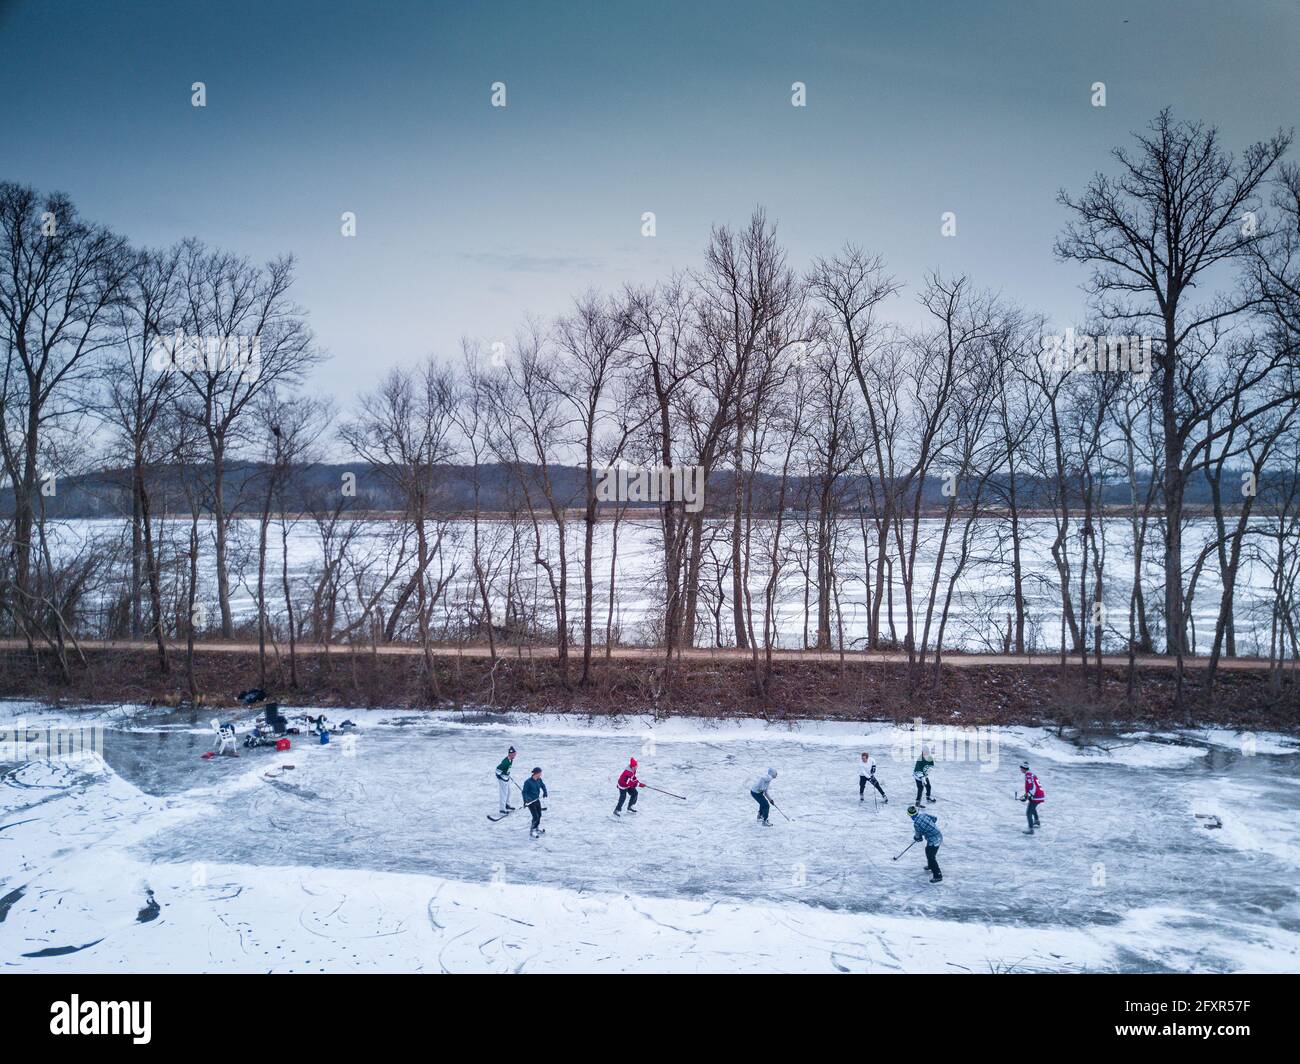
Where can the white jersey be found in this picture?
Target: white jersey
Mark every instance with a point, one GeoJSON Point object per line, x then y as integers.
{"type": "Point", "coordinates": [867, 767]}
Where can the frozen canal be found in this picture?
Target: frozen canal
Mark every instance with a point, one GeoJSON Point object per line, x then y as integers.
{"type": "Point", "coordinates": [375, 853]}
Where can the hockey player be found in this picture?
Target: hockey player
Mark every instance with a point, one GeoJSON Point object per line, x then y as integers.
{"type": "Point", "coordinates": [867, 774]}
{"type": "Point", "coordinates": [921, 773]}
{"type": "Point", "coordinates": [503, 780]}
{"type": "Point", "coordinates": [627, 788]}
{"type": "Point", "coordinates": [1033, 797]}
{"type": "Point", "coordinates": [534, 791]}
{"type": "Point", "coordinates": [761, 794]}
{"type": "Point", "coordinates": [924, 827]}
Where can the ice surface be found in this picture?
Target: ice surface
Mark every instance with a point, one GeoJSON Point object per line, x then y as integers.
{"type": "Point", "coordinates": [375, 853]}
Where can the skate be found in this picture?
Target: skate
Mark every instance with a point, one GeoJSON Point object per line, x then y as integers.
{"type": "Point", "coordinates": [929, 799]}
{"type": "Point", "coordinates": [1029, 832]}
{"type": "Point", "coordinates": [861, 799]}
{"type": "Point", "coordinates": [509, 806]}
{"type": "Point", "coordinates": [631, 810]}
{"type": "Point", "coordinates": [617, 813]}
{"type": "Point", "coordinates": [936, 879]}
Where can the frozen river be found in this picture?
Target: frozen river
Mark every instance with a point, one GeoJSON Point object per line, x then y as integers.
{"type": "Point", "coordinates": [375, 853]}
{"type": "Point", "coordinates": [978, 617]}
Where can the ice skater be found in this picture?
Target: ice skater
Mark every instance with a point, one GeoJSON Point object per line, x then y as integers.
{"type": "Point", "coordinates": [921, 773]}
{"type": "Point", "coordinates": [534, 791]}
{"type": "Point", "coordinates": [924, 826]}
{"type": "Point", "coordinates": [503, 780]}
{"type": "Point", "coordinates": [1033, 797]}
{"type": "Point", "coordinates": [867, 774]}
{"type": "Point", "coordinates": [627, 788]}
{"type": "Point", "coordinates": [761, 793]}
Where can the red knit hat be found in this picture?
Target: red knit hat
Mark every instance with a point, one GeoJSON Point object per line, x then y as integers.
{"type": "Point", "coordinates": [631, 762]}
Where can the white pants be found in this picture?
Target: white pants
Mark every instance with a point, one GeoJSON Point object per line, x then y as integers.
{"type": "Point", "coordinates": [504, 787]}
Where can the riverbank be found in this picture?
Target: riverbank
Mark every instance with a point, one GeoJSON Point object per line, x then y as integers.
{"type": "Point", "coordinates": [969, 689]}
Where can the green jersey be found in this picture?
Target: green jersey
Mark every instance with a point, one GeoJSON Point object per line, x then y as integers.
{"type": "Point", "coordinates": [503, 769]}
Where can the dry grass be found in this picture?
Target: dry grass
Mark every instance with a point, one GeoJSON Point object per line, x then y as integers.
{"type": "Point", "coordinates": [970, 695]}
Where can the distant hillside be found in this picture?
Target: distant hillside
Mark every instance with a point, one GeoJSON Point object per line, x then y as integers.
{"type": "Point", "coordinates": [107, 493]}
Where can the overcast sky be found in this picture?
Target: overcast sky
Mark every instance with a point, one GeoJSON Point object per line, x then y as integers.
{"type": "Point", "coordinates": [470, 216]}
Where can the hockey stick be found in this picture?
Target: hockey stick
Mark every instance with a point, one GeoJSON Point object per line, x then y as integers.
{"type": "Point", "coordinates": [780, 810]}
{"type": "Point", "coordinates": [521, 791]}
{"type": "Point", "coordinates": [913, 843]}
{"type": "Point", "coordinates": [662, 791]}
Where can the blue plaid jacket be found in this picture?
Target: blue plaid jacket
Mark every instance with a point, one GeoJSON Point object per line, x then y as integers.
{"type": "Point", "coordinates": [924, 825]}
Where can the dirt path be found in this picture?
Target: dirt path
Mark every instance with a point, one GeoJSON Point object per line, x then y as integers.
{"type": "Point", "coordinates": [649, 654]}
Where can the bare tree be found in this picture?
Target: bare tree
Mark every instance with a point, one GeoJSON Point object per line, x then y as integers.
{"type": "Point", "coordinates": [852, 286]}
{"type": "Point", "coordinates": [140, 385]}
{"type": "Point", "coordinates": [243, 335]}
{"type": "Point", "coordinates": [61, 278]}
{"type": "Point", "coordinates": [665, 347]}
{"type": "Point", "coordinates": [531, 431]}
{"type": "Point", "coordinates": [287, 453]}
{"type": "Point", "coordinates": [1152, 235]}
{"type": "Point", "coordinates": [592, 337]}
{"type": "Point", "coordinates": [746, 292]}
{"type": "Point", "coordinates": [472, 414]}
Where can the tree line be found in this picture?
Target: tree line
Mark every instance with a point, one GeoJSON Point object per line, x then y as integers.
{"type": "Point", "coordinates": [821, 424]}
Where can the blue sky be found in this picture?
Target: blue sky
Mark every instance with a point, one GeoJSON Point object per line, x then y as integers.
{"type": "Point", "coordinates": [470, 216]}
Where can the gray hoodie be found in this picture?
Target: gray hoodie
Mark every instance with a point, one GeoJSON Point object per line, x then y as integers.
{"type": "Point", "coordinates": [763, 782]}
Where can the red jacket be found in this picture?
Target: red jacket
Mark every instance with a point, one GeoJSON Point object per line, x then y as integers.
{"type": "Point", "coordinates": [628, 780]}
{"type": "Point", "coordinates": [1034, 789]}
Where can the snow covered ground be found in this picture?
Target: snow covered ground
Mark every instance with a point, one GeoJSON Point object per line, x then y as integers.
{"type": "Point", "coordinates": [375, 853]}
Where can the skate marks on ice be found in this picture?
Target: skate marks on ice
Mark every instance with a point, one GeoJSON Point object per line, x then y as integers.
{"type": "Point", "coordinates": [62, 901]}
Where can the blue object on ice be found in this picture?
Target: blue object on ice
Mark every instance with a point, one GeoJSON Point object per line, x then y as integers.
{"type": "Point", "coordinates": [324, 737]}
